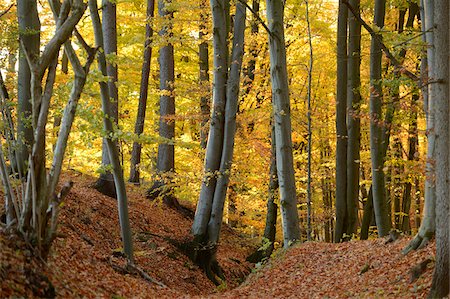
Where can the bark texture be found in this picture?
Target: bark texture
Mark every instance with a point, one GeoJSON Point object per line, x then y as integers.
{"type": "Point", "coordinates": [282, 121]}
{"type": "Point", "coordinates": [143, 95]}
{"type": "Point", "coordinates": [376, 97]}
{"type": "Point", "coordinates": [341, 126]}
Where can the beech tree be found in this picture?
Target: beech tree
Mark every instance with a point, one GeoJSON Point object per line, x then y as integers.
{"type": "Point", "coordinates": [353, 119]}
{"type": "Point", "coordinates": [111, 142]}
{"type": "Point", "coordinates": [341, 127]}
{"type": "Point", "coordinates": [427, 227]}
{"type": "Point", "coordinates": [203, 62]}
{"type": "Point", "coordinates": [220, 145]}
{"type": "Point", "coordinates": [32, 203]}
{"type": "Point", "coordinates": [143, 95]}
{"type": "Point", "coordinates": [105, 183]}
{"type": "Point", "coordinates": [440, 92]}
{"type": "Point", "coordinates": [165, 164]}
{"type": "Point", "coordinates": [376, 95]}
{"type": "Point", "coordinates": [29, 32]}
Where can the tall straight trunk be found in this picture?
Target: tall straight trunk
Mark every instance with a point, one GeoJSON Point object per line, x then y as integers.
{"type": "Point", "coordinates": [105, 183]}
{"type": "Point", "coordinates": [393, 184]}
{"type": "Point", "coordinates": [282, 120]}
{"type": "Point", "coordinates": [216, 130]}
{"type": "Point", "coordinates": [231, 107]}
{"type": "Point", "coordinates": [165, 163]}
{"type": "Point", "coordinates": [111, 145]}
{"type": "Point", "coordinates": [270, 228]}
{"type": "Point", "coordinates": [427, 227]}
{"type": "Point", "coordinates": [341, 126]}
{"type": "Point", "coordinates": [376, 97]}
{"type": "Point", "coordinates": [203, 61]}
{"type": "Point", "coordinates": [143, 95]}
{"type": "Point", "coordinates": [353, 119]}
{"type": "Point", "coordinates": [29, 32]}
{"type": "Point", "coordinates": [440, 92]}
{"type": "Point", "coordinates": [412, 142]}
{"type": "Point", "coordinates": [327, 193]}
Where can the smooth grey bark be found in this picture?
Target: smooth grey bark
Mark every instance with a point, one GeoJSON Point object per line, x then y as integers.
{"type": "Point", "coordinates": [111, 144]}
{"type": "Point", "coordinates": [353, 119]}
{"type": "Point", "coordinates": [105, 183]}
{"type": "Point", "coordinates": [29, 33]}
{"type": "Point", "coordinates": [440, 94]}
{"type": "Point", "coordinates": [341, 124]}
{"type": "Point", "coordinates": [36, 203]}
{"type": "Point", "coordinates": [165, 163]}
{"type": "Point", "coordinates": [282, 121]}
{"type": "Point", "coordinates": [231, 108]}
{"type": "Point", "coordinates": [427, 227]}
{"type": "Point", "coordinates": [376, 97]}
{"type": "Point", "coordinates": [143, 95]}
{"type": "Point", "coordinates": [216, 130]}
{"type": "Point", "coordinates": [203, 61]}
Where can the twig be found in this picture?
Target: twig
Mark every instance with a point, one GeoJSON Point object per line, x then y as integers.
{"type": "Point", "coordinates": [7, 10]}
{"type": "Point", "coordinates": [397, 65]}
{"type": "Point", "coordinates": [144, 275]}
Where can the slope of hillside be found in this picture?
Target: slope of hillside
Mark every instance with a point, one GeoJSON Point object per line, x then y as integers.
{"type": "Point", "coordinates": [86, 263]}
{"type": "Point", "coordinates": [358, 269]}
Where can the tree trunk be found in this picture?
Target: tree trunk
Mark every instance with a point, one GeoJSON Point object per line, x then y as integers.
{"type": "Point", "coordinates": [353, 120]}
{"type": "Point", "coordinates": [427, 227]}
{"type": "Point", "coordinates": [376, 95]}
{"type": "Point", "coordinates": [231, 106]}
{"type": "Point", "coordinates": [105, 183]}
{"type": "Point", "coordinates": [412, 142]}
{"type": "Point", "coordinates": [111, 144]}
{"type": "Point", "coordinates": [341, 127]}
{"type": "Point", "coordinates": [203, 61]}
{"type": "Point", "coordinates": [209, 214]}
{"type": "Point", "coordinates": [143, 95]}
{"type": "Point", "coordinates": [165, 164]}
{"type": "Point", "coordinates": [29, 33]}
{"type": "Point", "coordinates": [270, 229]}
{"type": "Point", "coordinates": [440, 93]}
{"type": "Point", "coordinates": [216, 130]}
{"type": "Point", "coordinates": [282, 121]}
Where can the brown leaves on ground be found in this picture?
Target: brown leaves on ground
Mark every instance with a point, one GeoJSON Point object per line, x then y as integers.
{"type": "Point", "coordinates": [324, 270]}
{"type": "Point", "coordinates": [85, 260]}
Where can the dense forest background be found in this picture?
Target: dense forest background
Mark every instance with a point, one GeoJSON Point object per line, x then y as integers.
{"type": "Point", "coordinates": [359, 78]}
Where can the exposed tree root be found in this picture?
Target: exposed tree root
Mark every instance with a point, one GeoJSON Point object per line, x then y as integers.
{"type": "Point", "coordinates": [205, 257]}
{"type": "Point", "coordinates": [418, 270]}
{"type": "Point", "coordinates": [157, 192]}
{"type": "Point", "coordinates": [420, 241]}
{"type": "Point", "coordinates": [261, 254]}
{"type": "Point", "coordinates": [133, 269]}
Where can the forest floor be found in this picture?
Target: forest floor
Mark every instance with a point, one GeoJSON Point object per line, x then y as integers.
{"type": "Point", "coordinates": [85, 261]}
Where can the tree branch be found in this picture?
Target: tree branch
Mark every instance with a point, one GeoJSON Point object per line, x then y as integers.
{"type": "Point", "coordinates": [397, 65]}
{"type": "Point", "coordinates": [256, 14]}
{"type": "Point", "coordinates": [61, 35]}
{"type": "Point", "coordinates": [7, 10]}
